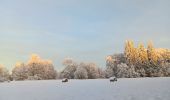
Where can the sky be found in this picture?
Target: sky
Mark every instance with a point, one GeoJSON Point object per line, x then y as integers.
{"type": "Point", "coordinates": [85, 30]}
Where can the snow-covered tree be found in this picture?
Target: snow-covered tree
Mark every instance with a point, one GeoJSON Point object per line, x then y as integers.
{"type": "Point", "coordinates": [166, 69]}
{"type": "Point", "coordinates": [109, 72]}
{"type": "Point", "coordinates": [50, 72]}
{"type": "Point", "coordinates": [91, 69]}
{"type": "Point", "coordinates": [147, 62]}
{"type": "Point", "coordinates": [4, 74]}
{"type": "Point", "coordinates": [43, 69]}
{"type": "Point", "coordinates": [20, 71]}
{"type": "Point", "coordinates": [69, 70]}
{"type": "Point", "coordinates": [130, 53]}
{"type": "Point", "coordinates": [73, 68]}
{"type": "Point", "coordinates": [125, 71]}
{"type": "Point", "coordinates": [111, 64]}
{"type": "Point", "coordinates": [80, 73]}
{"type": "Point", "coordinates": [101, 73]}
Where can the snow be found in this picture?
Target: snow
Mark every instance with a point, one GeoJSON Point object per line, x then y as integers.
{"type": "Point", "coordinates": [94, 89]}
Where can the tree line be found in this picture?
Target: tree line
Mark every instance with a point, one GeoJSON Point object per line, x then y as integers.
{"type": "Point", "coordinates": [139, 62]}
{"type": "Point", "coordinates": [134, 62]}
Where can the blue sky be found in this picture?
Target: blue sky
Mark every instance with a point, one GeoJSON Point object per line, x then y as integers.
{"type": "Point", "coordinates": [86, 30]}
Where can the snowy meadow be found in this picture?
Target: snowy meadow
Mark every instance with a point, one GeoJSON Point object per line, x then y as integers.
{"type": "Point", "coordinates": [91, 89]}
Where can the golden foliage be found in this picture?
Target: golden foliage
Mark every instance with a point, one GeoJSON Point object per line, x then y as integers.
{"type": "Point", "coordinates": [109, 58]}
{"type": "Point", "coordinates": [140, 55]}
{"type": "Point", "coordinates": [36, 59]}
{"type": "Point", "coordinates": [131, 53]}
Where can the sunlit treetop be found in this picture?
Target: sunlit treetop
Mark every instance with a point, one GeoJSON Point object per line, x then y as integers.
{"type": "Point", "coordinates": [37, 59]}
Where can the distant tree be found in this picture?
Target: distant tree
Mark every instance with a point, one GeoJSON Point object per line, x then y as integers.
{"type": "Point", "coordinates": [110, 67]}
{"type": "Point", "coordinates": [152, 56]}
{"type": "Point", "coordinates": [43, 69]}
{"type": "Point", "coordinates": [131, 53]}
{"type": "Point", "coordinates": [109, 72]}
{"type": "Point", "coordinates": [91, 69]}
{"type": "Point", "coordinates": [20, 71]}
{"type": "Point", "coordinates": [70, 68]}
{"type": "Point", "coordinates": [122, 71]}
{"type": "Point", "coordinates": [165, 69]}
{"type": "Point", "coordinates": [49, 71]}
{"type": "Point", "coordinates": [142, 60]}
{"type": "Point", "coordinates": [74, 70]}
{"type": "Point", "coordinates": [80, 73]}
{"type": "Point", "coordinates": [126, 71]}
{"type": "Point", "coordinates": [147, 62]}
{"type": "Point", "coordinates": [4, 74]}
{"type": "Point", "coordinates": [101, 73]}
{"type": "Point", "coordinates": [142, 55]}
{"type": "Point", "coordinates": [111, 64]}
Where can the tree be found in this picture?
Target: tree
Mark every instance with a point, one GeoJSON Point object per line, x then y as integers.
{"type": "Point", "coordinates": [165, 69]}
{"type": "Point", "coordinates": [4, 74]}
{"type": "Point", "coordinates": [20, 72]}
{"type": "Point", "coordinates": [152, 54]}
{"type": "Point", "coordinates": [101, 73]}
{"type": "Point", "coordinates": [43, 69]}
{"type": "Point", "coordinates": [109, 72]}
{"type": "Point", "coordinates": [91, 69]}
{"type": "Point", "coordinates": [50, 72]}
{"type": "Point", "coordinates": [126, 71]}
{"type": "Point", "coordinates": [73, 68]}
{"type": "Point", "coordinates": [80, 73]}
{"type": "Point", "coordinates": [110, 67]}
{"type": "Point", "coordinates": [142, 55]}
{"type": "Point", "coordinates": [130, 53]}
{"type": "Point", "coordinates": [111, 64]}
{"type": "Point", "coordinates": [147, 62]}
{"type": "Point", "coordinates": [70, 68]}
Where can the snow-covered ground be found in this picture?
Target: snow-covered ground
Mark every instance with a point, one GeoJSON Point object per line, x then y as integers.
{"type": "Point", "coordinates": [97, 89]}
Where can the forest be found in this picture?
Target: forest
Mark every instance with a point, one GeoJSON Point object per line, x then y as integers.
{"type": "Point", "coordinates": [132, 63]}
